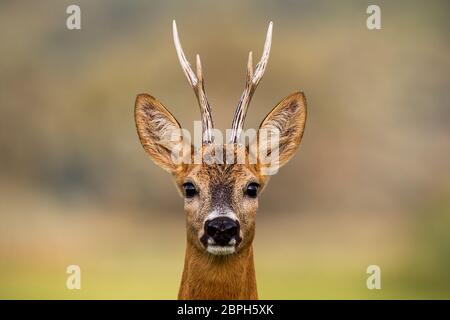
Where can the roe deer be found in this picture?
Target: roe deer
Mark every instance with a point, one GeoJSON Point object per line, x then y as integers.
{"type": "Point", "coordinates": [220, 199]}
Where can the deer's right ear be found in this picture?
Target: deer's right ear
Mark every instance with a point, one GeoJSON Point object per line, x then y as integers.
{"type": "Point", "coordinates": [158, 130]}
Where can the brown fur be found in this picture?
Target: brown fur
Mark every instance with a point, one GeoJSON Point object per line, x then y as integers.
{"type": "Point", "coordinates": [221, 188]}
{"type": "Point", "coordinates": [218, 277]}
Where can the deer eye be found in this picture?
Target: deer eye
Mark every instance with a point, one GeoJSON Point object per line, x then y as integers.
{"type": "Point", "coordinates": [252, 190]}
{"type": "Point", "coordinates": [189, 190]}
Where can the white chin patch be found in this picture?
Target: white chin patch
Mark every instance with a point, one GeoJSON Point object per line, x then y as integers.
{"type": "Point", "coordinates": [220, 250]}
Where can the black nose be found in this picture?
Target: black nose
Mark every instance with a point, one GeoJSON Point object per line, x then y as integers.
{"type": "Point", "coordinates": [222, 230]}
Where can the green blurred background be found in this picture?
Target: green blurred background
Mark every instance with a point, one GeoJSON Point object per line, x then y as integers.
{"type": "Point", "coordinates": [370, 184]}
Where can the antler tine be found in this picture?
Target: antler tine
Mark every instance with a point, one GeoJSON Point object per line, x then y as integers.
{"type": "Point", "coordinates": [252, 81]}
{"type": "Point", "coordinates": [196, 82]}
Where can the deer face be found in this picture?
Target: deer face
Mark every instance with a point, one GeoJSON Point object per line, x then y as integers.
{"type": "Point", "coordinates": [220, 200]}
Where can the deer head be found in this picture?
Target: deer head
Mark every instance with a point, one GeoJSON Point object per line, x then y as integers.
{"type": "Point", "coordinates": [220, 199]}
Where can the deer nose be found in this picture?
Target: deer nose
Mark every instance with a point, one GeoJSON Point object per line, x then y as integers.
{"type": "Point", "coordinates": [222, 230]}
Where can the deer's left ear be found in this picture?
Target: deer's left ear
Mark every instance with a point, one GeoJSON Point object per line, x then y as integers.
{"type": "Point", "coordinates": [158, 130]}
{"type": "Point", "coordinates": [288, 120]}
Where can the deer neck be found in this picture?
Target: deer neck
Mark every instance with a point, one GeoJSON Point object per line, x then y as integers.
{"type": "Point", "coordinates": [209, 277]}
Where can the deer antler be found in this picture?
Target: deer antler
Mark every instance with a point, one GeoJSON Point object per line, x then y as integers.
{"type": "Point", "coordinates": [196, 82]}
{"type": "Point", "coordinates": [252, 81]}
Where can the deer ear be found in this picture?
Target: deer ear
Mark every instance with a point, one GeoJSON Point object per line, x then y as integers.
{"type": "Point", "coordinates": [158, 130]}
{"type": "Point", "coordinates": [287, 122]}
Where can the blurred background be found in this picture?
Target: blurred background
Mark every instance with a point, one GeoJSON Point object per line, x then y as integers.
{"type": "Point", "coordinates": [369, 185]}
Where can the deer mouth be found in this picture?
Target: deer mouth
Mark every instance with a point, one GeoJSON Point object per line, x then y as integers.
{"type": "Point", "coordinates": [221, 250]}
{"type": "Point", "coordinates": [220, 247]}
